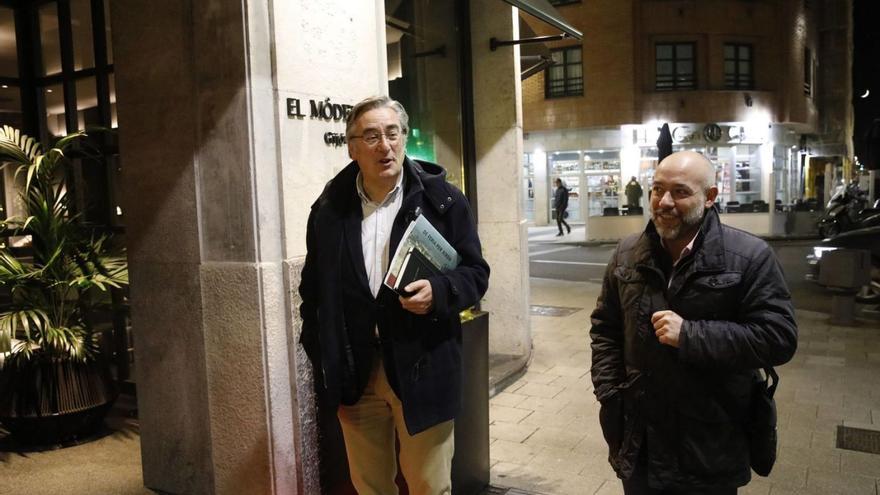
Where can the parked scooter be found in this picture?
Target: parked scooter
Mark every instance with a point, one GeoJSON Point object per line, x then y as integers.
{"type": "Point", "coordinates": [867, 239]}
{"type": "Point", "coordinates": [846, 210]}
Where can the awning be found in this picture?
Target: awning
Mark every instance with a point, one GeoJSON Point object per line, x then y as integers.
{"type": "Point", "coordinates": [533, 57]}
{"type": "Point", "coordinates": [545, 12]}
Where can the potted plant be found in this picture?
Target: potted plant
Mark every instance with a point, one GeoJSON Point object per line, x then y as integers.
{"type": "Point", "coordinates": [53, 386]}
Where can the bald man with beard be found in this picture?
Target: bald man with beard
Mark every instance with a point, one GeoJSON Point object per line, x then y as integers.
{"type": "Point", "coordinates": [690, 309]}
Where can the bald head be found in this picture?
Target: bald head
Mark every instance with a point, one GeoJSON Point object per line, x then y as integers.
{"type": "Point", "coordinates": [684, 186]}
{"type": "Point", "coordinates": [691, 165]}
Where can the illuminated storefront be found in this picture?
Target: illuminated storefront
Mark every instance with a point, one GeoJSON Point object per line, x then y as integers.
{"type": "Point", "coordinates": [758, 171]}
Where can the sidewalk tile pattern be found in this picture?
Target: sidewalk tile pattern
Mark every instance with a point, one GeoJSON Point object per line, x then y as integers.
{"type": "Point", "coordinates": [545, 435]}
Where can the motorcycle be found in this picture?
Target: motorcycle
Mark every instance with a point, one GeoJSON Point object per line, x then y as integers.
{"type": "Point", "coordinates": [846, 210]}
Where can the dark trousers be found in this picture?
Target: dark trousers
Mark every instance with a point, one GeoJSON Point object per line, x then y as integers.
{"type": "Point", "coordinates": [560, 220]}
{"type": "Point", "coordinates": [638, 485]}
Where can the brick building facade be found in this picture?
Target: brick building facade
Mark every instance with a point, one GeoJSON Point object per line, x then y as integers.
{"type": "Point", "coordinates": [761, 86]}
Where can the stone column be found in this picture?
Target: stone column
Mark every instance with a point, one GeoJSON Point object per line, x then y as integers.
{"type": "Point", "coordinates": [498, 130]}
{"type": "Point", "coordinates": [219, 183]}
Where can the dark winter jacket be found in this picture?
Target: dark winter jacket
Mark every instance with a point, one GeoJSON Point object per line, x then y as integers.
{"type": "Point", "coordinates": [687, 406]}
{"type": "Point", "coordinates": [560, 198]}
{"type": "Point", "coordinates": [421, 354]}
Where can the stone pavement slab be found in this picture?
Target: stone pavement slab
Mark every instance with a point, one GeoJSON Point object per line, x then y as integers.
{"type": "Point", "coordinates": [556, 447]}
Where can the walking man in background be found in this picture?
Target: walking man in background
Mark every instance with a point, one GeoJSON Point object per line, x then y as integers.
{"type": "Point", "coordinates": [560, 203]}
{"type": "Point", "coordinates": [689, 310]}
{"type": "Point", "coordinates": [391, 363]}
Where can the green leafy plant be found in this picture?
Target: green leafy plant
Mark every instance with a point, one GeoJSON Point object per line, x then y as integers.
{"type": "Point", "coordinates": [52, 290]}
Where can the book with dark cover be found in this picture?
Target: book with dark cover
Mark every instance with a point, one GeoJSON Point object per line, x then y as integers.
{"type": "Point", "coordinates": [416, 266]}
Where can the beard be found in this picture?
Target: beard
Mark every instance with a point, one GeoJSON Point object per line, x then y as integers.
{"type": "Point", "coordinates": [691, 218]}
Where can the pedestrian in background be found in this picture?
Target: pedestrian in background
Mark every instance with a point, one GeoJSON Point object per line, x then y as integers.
{"type": "Point", "coordinates": [633, 193]}
{"type": "Point", "coordinates": [392, 364]}
{"type": "Point", "coordinates": [689, 310]}
{"type": "Point", "coordinates": [560, 204]}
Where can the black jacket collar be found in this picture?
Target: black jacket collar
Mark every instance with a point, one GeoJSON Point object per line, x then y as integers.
{"type": "Point", "coordinates": [708, 248]}
{"type": "Point", "coordinates": [340, 194]}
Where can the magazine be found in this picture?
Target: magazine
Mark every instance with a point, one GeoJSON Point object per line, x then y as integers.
{"type": "Point", "coordinates": [422, 252]}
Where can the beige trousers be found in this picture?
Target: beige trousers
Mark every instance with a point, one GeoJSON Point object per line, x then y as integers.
{"type": "Point", "coordinates": [368, 428]}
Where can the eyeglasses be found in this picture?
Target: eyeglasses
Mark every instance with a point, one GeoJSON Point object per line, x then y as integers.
{"type": "Point", "coordinates": [371, 138]}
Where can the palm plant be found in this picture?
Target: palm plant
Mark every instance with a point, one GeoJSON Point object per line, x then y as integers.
{"type": "Point", "coordinates": [51, 292]}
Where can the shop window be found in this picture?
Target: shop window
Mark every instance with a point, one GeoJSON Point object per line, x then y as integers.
{"type": "Point", "coordinates": [52, 100]}
{"type": "Point", "coordinates": [87, 114]}
{"type": "Point", "coordinates": [10, 105]}
{"type": "Point", "coordinates": [425, 73]}
{"type": "Point", "coordinates": [675, 66]}
{"type": "Point", "coordinates": [9, 47]}
{"type": "Point", "coordinates": [602, 174]}
{"type": "Point", "coordinates": [566, 76]}
{"type": "Point", "coordinates": [107, 37]}
{"type": "Point", "coordinates": [81, 28]}
{"type": "Point", "coordinates": [528, 187]}
{"type": "Point", "coordinates": [808, 72]}
{"type": "Point", "coordinates": [50, 42]}
{"type": "Point", "coordinates": [739, 177]}
{"type": "Point", "coordinates": [738, 65]}
{"type": "Point", "coordinates": [67, 85]}
{"type": "Point", "coordinates": [113, 119]}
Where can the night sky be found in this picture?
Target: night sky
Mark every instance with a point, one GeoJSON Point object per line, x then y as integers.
{"type": "Point", "coordinates": [866, 71]}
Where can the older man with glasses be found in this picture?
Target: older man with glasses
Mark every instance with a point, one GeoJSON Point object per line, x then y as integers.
{"type": "Point", "coordinates": [689, 310]}
{"type": "Point", "coordinates": [391, 363]}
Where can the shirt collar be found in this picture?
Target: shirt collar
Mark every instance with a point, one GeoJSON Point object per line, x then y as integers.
{"type": "Point", "coordinates": [388, 198]}
{"type": "Point", "coordinates": [687, 249]}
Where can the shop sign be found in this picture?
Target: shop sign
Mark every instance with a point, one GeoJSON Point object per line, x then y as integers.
{"type": "Point", "coordinates": [709, 133]}
{"type": "Point", "coordinates": [684, 134]}
{"type": "Point", "coordinates": [712, 132]}
{"type": "Point", "coordinates": [324, 110]}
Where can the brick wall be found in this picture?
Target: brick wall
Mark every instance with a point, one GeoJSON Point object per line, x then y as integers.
{"type": "Point", "coordinates": [618, 61]}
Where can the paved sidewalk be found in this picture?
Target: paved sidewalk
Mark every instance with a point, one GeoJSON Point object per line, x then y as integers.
{"type": "Point", "coordinates": [545, 433]}
{"type": "Point", "coordinates": [548, 234]}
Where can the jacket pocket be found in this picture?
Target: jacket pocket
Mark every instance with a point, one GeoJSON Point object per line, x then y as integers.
{"type": "Point", "coordinates": [711, 296]}
{"type": "Point", "coordinates": [611, 419]}
{"type": "Point", "coordinates": [718, 281]}
{"type": "Point", "coordinates": [617, 414]}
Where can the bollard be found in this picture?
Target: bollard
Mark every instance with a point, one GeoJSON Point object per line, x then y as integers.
{"type": "Point", "coordinates": [843, 309]}
{"type": "Point", "coordinates": [844, 272]}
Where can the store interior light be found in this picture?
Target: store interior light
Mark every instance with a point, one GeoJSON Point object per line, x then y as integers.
{"type": "Point", "coordinates": [655, 124]}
